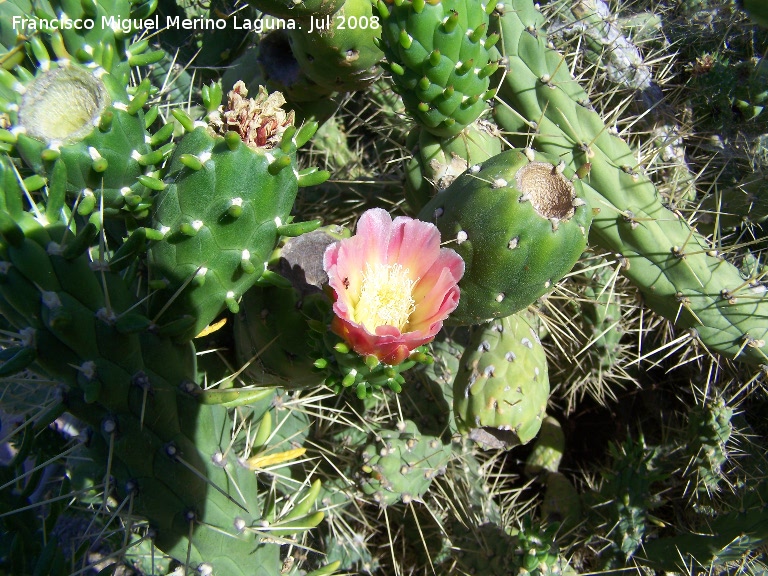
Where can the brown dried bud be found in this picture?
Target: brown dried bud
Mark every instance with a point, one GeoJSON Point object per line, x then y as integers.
{"type": "Point", "coordinates": [260, 122]}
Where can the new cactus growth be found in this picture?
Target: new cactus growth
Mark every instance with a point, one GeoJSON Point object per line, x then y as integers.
{"type": "Point", "coordinates": [501, 390]}
{"type": "Point", "coordinates": [520, 223]}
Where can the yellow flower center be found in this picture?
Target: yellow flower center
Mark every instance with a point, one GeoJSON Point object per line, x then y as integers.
{"type": "Point", "coordinates": [386, 297]}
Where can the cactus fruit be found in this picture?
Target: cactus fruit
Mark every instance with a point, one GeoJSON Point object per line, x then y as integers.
{"type": "Point", "coordinates": [86, 119]}
{"type": "Point", "coordinates": [341, 55]}
{"type": "Point", "coordinates": [501, 390]}
{"type": "Point", "coordinates": [520, 224]}
{"type": "Point", "coordinates": [223, 209]}
{"type": "Point", "coordinates": [401, 464]}
{"type": "Point", "coordinates": [438, 53]}
{"type": "Point", "coordinates": [679, 274]}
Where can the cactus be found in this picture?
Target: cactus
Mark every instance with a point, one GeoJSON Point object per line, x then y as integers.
{"type": "Point", "coordinates": [500, 392]}
{"type": "Point", "coordinates": [272, 319]}
{"type": "Point", "coordinates": [85, 119]}
{"type": "Point", "coordinates": [709, 431]}
{"type": "Point", "coordinates": [625, 498]}
{"type": "Point", "coordinates": [110, 46]}
{"type": "Point", "coordinates": [290, 9]}
{"type": "Point", "coordinates": [438, 53]}
{"type": "Point", "coordinates": [338, 52]}
{"type": "Point", "coordinates": [520, 224]}
{"type": "Point", "coordinates": [679, 274]}
{"type": "Point", "coordinates": [153, 427]}
{"type": "Point", "coordinates": [725, 540]}
{"type": "Point", "coordinates": [145, 421]}
{"type": "Point", "coordinates": [401, 464]}
{"type": "Point", "coordinates": [226, 202]}
{"type": "Point", "coordinates": [437, 162]}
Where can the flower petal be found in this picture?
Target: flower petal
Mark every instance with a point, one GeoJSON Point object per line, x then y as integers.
{"type": "Point", "coordinates": [409, 244]}
{"type": "Point", "coordinates": [414, 245]}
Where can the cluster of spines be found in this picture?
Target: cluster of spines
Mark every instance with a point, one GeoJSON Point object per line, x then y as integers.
{"type": "Point", "coordinates": [110, 47]}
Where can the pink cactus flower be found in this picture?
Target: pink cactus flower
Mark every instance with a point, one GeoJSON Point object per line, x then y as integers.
{"type": "Point", "coordinates": [393, 285]}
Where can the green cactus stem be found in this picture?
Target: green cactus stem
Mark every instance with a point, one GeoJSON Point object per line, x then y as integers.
{"type": "Point", "coordinates": [438, 53]}
{"type": "Point", "coordinates": [230, 188]}
{"type": "Point", "coordinates": [680, 275]}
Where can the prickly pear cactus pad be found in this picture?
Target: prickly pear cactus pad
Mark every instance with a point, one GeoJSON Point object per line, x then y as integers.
{"type": "Point", "coordinates": [520, 223]}
{"type": "Point", "coordinates": [438, 53]}
{"type": "Point", "coordinates": [393, 285]}
{"type": "Point", "coordinates": [230, 187]}
{"type": "Point", "coordinates": [153, 437]}
{"type": "Point", "coordinates": [501, 390]}
{"type": "Point", "coordinates": [402, 463]}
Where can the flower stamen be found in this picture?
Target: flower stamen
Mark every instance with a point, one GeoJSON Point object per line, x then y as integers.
{"type": "Point", "coordinates": [386, 297]}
